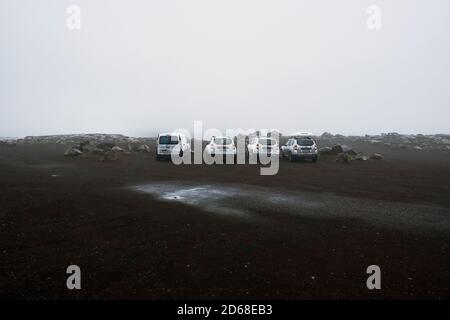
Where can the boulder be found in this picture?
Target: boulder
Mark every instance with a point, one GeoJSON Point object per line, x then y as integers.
{"type": "Point", "coordinates": [361, 157]}
{"type": "Point", "coordinates": [109, 156]}
{"type": "Point", "coordinates": [72, 152]}
{"type": "Point", "coordinates": [138, 147]}
{"type": "Point", "coordinates": [345, 148]}
{"type": "Point", "coordinates": [337, 149]}
{"type": "Point", "coordinates": [144, 148]}
{"type": "Point", "coordinates": [376, 156]}
{"type": "Point", "coordinates": [326, 136]}
{"type": "Point", "coordinates": [325, 151]}
{"type": "Point", "coordinates": [83, 144]}
{"type": "Point", "coordinates": [343, 158]}
{"type": "Point", "coordinates": [117, 149]}
{"type": "Point", "coordinates": [95, 151]}
{"type": "Point", "coordinates": [106, 146]}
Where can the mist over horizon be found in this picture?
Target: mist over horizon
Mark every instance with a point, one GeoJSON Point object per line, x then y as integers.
{"type": "Point", "coordinates": [143, 67]}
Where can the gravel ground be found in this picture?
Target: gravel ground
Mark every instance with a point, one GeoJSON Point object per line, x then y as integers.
{"type": "Point", "coordinates": [145, 229]}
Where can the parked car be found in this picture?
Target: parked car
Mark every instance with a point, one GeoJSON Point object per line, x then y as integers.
{"type": "Point", "coordinates": [300, 148]}
{"type": "Point", "coordinates": [263, 145]}
{"type": "Point", "coordinates": [221, 146]}
{"type": "Point", "coordinates": [171, 143]}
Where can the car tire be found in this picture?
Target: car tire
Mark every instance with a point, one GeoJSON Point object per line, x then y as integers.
{"type": "Point", "coordinates": [291, 157]}
{"type": "Point", "coordinates": [314, 159]}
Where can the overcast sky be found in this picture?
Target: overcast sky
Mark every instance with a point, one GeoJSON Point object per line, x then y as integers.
{"type": "Point", "coordinates": [137, 67]}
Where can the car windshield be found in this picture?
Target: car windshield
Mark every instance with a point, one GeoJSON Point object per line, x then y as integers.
{"type": "Point", "coordinates": [267, 141]}
{"type": "Point", "coordinates": [168, 140]}
{"type": "Point", "coordinates": [222, 140]}
{"type": "Point", "coordinates": [305, 142]}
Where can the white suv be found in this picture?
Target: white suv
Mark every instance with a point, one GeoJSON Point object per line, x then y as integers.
{"type": "Point", "coordinates": [221, 146]}
{"type": "Point", "coordinates": [300, 148]}
{"type": "Point", "coordinates": [263, 145]}
{"type": "Point", "coordinates": [171, 143]}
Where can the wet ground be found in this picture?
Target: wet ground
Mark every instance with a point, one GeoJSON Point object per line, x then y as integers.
{"type": "Point", "coordinates": [244, 201]}
{"type": "Point", "coordinates": [145, 229]}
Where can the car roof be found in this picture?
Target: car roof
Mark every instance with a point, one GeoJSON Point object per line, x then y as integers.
{"type": "Point", "coordinates": [169, 134]}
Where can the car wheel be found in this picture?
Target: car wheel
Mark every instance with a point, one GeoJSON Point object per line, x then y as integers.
{"type": "Point", "coordinates": [291, 157]}
{"type": "Point", "coordinates": [314, 159]}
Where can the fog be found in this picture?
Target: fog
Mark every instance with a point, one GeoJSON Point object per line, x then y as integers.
{"type": "Point", "coordinates": [139, 67]}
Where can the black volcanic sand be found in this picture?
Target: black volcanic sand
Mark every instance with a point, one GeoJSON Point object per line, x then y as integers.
{"type": "Point", "coordinates": [198, 231]}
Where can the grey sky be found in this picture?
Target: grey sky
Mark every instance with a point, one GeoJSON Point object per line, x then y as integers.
{"type": "Point", "coordinates": [137, 67]}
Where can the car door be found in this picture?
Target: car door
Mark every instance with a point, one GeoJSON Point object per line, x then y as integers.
{"type": "Point", "coordinates": [286, 148]}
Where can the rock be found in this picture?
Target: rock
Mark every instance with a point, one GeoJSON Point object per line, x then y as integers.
{"type": "Point", "coordinates": [325, 151]}
{"type": "Point", "coordinates": [376, 156]}
{"type": "Point", "coordinates": [83, 144]}
{"type": "Point", "coordinates": [138, 147]}
{"type": "Point", "coordinates": [110, 156]}
{"type": "Point", "coordinates": [342, 148]}
{"type": "Point", "coordinates": [344, 158]}
{"type": "Point", "coordinates": [326, 136]}
{"type": "Point", "coordinates": [418, 148]}
{"type": "Point", "coordinates": [72, 152]}
{"type": "Point", "coordinates": [96, 151]}
{"type": "Point", "coordinates": [93, 138]}
{"type": "Point", "coordinates": [106, 146]}
{"type": "Point", "coordinates": [345, 148]}
{"type": "Point", "coordinates": [361, 157]}
{"type": "Point", "coordinates": [337, 149]}
{"type": "Point", "coordinates": [117, 149]}
{"type": "Point", "coordinates": [144, 148]}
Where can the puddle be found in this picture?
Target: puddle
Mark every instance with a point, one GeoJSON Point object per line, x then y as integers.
{"type": "Point", "coordinates": [233, 200]}
{"type": "Point", "coordinates": [207, 197]}
{"type": "Point", "coordinates": [247, 201]}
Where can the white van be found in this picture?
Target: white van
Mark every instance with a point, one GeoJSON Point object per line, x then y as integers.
{"type": "Point", "coordinates": [171, 143]}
